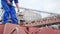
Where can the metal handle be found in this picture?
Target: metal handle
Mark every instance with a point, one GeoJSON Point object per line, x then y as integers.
{"type": "Point", "coordinates": [16, 29]}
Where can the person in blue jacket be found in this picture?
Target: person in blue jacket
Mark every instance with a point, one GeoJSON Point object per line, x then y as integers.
{"type": "Point", "coordinates": [9, 10]}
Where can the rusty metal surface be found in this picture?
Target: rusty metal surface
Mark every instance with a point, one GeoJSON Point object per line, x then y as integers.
{"type": "Point", "coordinates": [27, 30]}
{"type": "Point", "coordinates": [1, 28]}
{"type": "Point", "coordinates": [48, 20]}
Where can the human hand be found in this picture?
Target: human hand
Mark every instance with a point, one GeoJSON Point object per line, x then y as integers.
{"type": "Point", "coordinates": [19, 10]}
{"type": "Point", "coordinates": [8, 2]}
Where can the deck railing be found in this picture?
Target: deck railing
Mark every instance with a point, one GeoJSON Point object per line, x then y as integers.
{"type": "Point", "coordinates": [24, 9]}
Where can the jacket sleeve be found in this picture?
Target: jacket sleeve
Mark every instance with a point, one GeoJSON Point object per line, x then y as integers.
{"type": "Point", "coordinates": [16, 1]}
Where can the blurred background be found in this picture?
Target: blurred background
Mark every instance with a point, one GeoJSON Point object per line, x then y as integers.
{"type": "Point", "coordinates": [46, 7]}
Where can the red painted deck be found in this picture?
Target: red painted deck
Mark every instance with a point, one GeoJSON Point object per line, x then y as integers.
{"type": "Point", "coordinates": [1, 29]}
{"type": "Point", "coordinates": [23, 30]}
